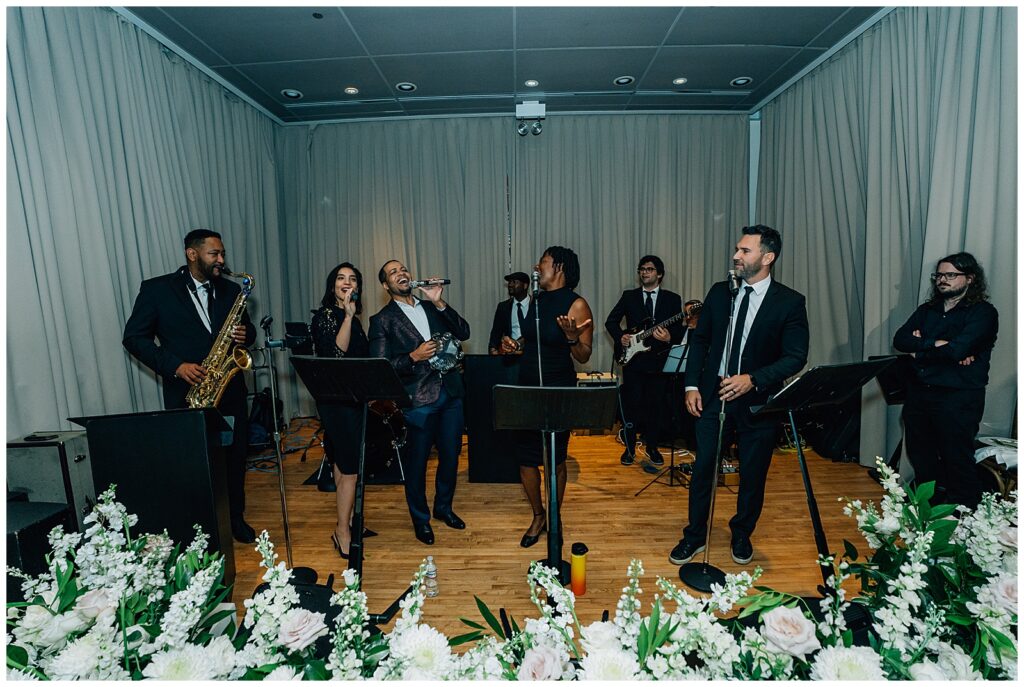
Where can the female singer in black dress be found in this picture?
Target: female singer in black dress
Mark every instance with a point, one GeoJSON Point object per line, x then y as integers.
{"type": "Point", "coordinates": [337, 332]}
{"type": "Point", "coordinates": [565, 334]}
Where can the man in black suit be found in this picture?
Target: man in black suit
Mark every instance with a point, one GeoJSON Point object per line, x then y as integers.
{"type": "Point", "coordinates": [510, 315]}
{"type": "Point", "coordinates": [185, 310]}
{"type": "Point", "coordinates": [401, 332]}
{"type": "Point", "coordinates": [769, 345]}
{"type": "Point", "coordinates": [643, 384]}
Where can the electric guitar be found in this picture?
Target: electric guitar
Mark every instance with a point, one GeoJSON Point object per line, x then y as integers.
{"type": "Point", "coordinates": [638, 335]}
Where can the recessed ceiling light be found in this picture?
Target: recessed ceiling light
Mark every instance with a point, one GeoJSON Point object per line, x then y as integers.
{"type": "Point", "coordinates": [741, 81]}
{"type": "Point", "coordinates": [532, 83]}
{"type": "Point", "coordinates": [292, 94]}
{"type": "Point", "coordinates": [679, 81]}
{"type": "Point", "coordinates": [351, 90]}
{"type": "Point", "coordinates": [623, 80]}
{"type": "Point", "coordinates": [406, 86]}
{"type": "Point", "coordinates": [317, 15]}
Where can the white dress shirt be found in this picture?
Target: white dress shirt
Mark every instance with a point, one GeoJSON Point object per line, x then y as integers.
{"type": "Point", "coordinates": [516, 333]}
{"type": "Point", "coordinates": [417, 315]}
{"type": "Point", "coordinates": [199, 300]}
{"type": "Point", "coordinates": [654, 298]}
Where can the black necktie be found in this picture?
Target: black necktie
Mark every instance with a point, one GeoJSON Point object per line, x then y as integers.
{"type": "Point", "coordinates": [522, 318]}
{"type": "Point", "coordinates": [649, 305]}
{"type": "Point", "coordinates": [737, 333]}
{"type": "Point", "coordinates": [209, 302]}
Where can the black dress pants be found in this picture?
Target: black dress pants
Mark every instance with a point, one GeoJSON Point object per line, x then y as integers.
{"type": "Point", "coordinates": [940, 424]}
{"type": "Point", "coordinates": [644, 401]}
{"type": "Point", "coordinates": [756, 443]}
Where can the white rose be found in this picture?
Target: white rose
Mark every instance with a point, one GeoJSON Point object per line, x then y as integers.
{"type": "Point", "coordinates": [928, 670]}
{"type": "Point", "coordinates": [54, 632]}
{"type": "Point", "coordinates": [600, 636]}
{"type": "Point", "coordinates": [349, 576]}
{"type": "Point", "coordinates": [541, 663]}
{"type": "Point", "coordinates": [786, 630]}
{"type": "Point", "coordinates": [283, 673]}
{"type": "Point", "coordinates": [32, 621]}
{"type": "Point", "coordinates": [955, 663]}
{"type": "Point", "coordinates": [1004, 593]}
{"type": "Point", "coordinates": [1008, 537]}
{"type": "Point", "coordinates": [300, 628]}
{"type": "Point", "coordinates": [96, 602]}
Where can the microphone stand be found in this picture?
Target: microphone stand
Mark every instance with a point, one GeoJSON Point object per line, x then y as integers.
{"type": "Point", "coordinates": [271, 344]}
{"type": "Point", "coordinates": [701, 576]}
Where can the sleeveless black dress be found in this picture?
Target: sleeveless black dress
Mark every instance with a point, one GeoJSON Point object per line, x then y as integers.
{"type": "Point", "coordinates": [556, 363]}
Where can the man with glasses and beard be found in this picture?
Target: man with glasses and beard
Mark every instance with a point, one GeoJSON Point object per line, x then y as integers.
{"type": "Point", "coordinates": [185, 311]}
{"type": "Point", "coordinates": [950, 337]}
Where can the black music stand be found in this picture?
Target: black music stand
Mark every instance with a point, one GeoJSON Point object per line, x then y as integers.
{"type": "Point", "coordinates": [824, 385]}
{"type": "Point", "coordinates": [554, 409]}
{"type": "Point", "coordinates": [358, 380]}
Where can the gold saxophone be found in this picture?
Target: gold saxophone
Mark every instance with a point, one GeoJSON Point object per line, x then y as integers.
{"type": "Point", "coordinates": [225, 359]}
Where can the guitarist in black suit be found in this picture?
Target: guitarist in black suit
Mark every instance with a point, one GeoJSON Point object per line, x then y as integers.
{"type": "Point", "coordinates": [185, 311]}
{"type": "Point", "coordinates": [769, 345]}
{"type": "Point", "coordinates": [643, 384]}
{"type": "Point", "coordinates": [401, 332]}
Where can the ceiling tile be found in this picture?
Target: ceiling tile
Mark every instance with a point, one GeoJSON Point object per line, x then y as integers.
{"type": "Point", "coordinates": [158, 19]}
{"type": "Point", "coordinates": [269, 34]}
{"type": "Point", "coordinates": [319, 80]}
{"type": "Point", "coordinates": [405, 30]}
{"type": "Point", "coordinates": [451, 74]}
{"type": "Point", "coordinates": [591, 27]}
{"type": "Point", "coordinates": [581, 70]}
{"type": "Point", "coordinates": [714, 68]}
{"type": "Point", "coordinates": [851, 19]}
{"type": "Point", "coordinates": [790, 26]}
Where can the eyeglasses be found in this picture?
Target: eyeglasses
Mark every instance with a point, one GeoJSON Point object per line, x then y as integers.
{"type": "Point", "coordinates": [946, 276]}
{"type": "Point", "coordinates": [646, 269]}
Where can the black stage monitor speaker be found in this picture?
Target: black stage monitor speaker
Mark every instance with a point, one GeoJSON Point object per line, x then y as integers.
{"type": "Point", "coordinates": [491, 455]}
{"type": "Point", "coordinates": [53, 467]}
{"type": "Point", "coordinates": [27, 526]}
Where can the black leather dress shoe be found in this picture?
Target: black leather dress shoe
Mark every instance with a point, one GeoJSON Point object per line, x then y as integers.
{"type": "Point", "coordinates": [626, 458]}
{"type": "Point", "coordinates": [655, 456]}
{"type": "Point", "coordinates": [241, 531]}
{"type": "Point", "coordinates": [425, 533]}
{"type": "Point", "coordinates": [742, 550]}
{"type": "Point", "coordinates": [451, 519]}
{"type": "Point", "coordinates": [684, 552]}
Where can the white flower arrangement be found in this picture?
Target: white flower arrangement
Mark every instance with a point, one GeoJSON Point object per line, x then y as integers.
{"type": "Point", "coordinates": [941, 594]}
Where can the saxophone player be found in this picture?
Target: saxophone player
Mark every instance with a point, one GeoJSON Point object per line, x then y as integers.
{"type": "Point", "coordinates": [185, 311]}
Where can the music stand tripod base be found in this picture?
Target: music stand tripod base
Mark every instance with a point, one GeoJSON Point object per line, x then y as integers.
{"type": "Point", "coordinates": [700, 576]}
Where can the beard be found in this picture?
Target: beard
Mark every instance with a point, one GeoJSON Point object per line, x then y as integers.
{"type": "Point", "coordinates": [744, 271]}
{"type": "Point", "coordinates": [949, 294]}
{"type": "Point", "coordinates": [209, 270]}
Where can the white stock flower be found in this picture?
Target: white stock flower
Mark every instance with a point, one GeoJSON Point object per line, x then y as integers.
{"type": "Point", "coordinates": [611, 664]}
{"type": "Point", "coordinates": [787, 630]}
{"type": "Point", "coordinates": [96, 602]}
{"type": "Point", "coordinates": [847, 663]}
{"type": "Point", "coordinates": [541, 663]}
{"type": "Point", "coordinates": [928, 670]}
{"type": "Point", "coordinates": [300, 628]}
{"type": "Point", "coordinates": [283, 673]}
{"type": "Point", "coordinates": [955, 663]}
{"type": "Point", "coordinates": [600, 636]}
{"type": "Point", "coordinates": [187, 663]}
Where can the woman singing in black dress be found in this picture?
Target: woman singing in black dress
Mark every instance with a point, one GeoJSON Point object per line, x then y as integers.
{"type": "Point", "coordinates": [337, 333]}
{"type": "Point", "coordinates": [565, 334]}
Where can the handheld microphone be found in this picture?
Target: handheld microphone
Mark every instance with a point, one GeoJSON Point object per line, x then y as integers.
{"type": "Point", "coordinates": [417, 283]}
{"type": "Point", "coordinates": [354, 296]}
{"type": "Point", "coordinates": [734, 282]}
{"type": "Point", "coordinates": [535, 282]}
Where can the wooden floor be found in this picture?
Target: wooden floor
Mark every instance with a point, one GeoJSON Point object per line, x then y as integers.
{"type": "Point", "coordinates": [600, 510]}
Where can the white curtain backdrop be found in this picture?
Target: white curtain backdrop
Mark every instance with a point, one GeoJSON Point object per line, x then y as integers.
{"type": "Point", "coordinates": [116, 149]}
{"type": "Point", "coordinates": [900, 150]}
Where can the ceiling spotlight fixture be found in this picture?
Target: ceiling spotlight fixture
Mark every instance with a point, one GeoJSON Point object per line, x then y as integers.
{"type": "Point", "coordinates": [351, 90]}
{"type": "Point", "coordinates": [406, 86]}
{"type": "Point", "coordinates": [679, 81]}
{"type": "Point", "coordinates": [741, 81]}
{"type": "Point", "coordinates": [522, 128]}
{"type": "Point", "coordinates": [623, 80]}
{"type": "Point", "coordinates": [536, 128]}
{"type": "Point", "coordinates": [292, 94]}
{"type": "Point", "coordinates": [532, 83]}
{"type": "Point", "coordinates": [317, 15]}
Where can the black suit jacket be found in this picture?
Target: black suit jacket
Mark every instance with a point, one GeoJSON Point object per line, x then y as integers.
{"type": "Point", "coordinates": [393, 336]}
{"type": "Point", "coordinates": [776, 347]}
{"type": "Point", "coordinates": [502, 325]}
{"type": "Point", "coordinates": [631, 306]}
{"type": "Point", "coordinates": [165, 310]}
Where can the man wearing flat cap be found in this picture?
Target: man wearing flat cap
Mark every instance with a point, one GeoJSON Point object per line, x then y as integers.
{"type": "Point", "coordinates": [510, 315]}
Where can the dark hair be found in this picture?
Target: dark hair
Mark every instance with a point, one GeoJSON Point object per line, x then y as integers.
{"type": "Point", "coordinates": [195, 238]}
{"type": "Point", "coordinates": [771, 240]}
{"type": "Point", "coordinates": [977, 289]}
{"type": "Point", "coordinates": [380, 273]}
{"type": "Point", "coordinates": [330, 300]}
{"type": "Point", "coordinates": [569, 262]}
{"type": "Point", "coordinates": [659, 266]}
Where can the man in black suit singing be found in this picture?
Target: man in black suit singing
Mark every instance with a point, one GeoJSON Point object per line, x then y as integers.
{"type": "Point", "coordinates": [185, 311]}
{"type": "Point", "coordinates": [643, 384]}
{"type": "Point", "coordinates": [510, 316]}
{"type": "Point", "coordinates": [401, 332]}
{"type": "Point", "coordinates": [769, 345]}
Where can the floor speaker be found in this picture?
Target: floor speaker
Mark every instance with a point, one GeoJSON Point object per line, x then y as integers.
{"type": "Point", "coordinates": [53, 467]}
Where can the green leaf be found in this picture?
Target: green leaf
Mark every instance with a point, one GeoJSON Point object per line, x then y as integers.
{"type": "Point", "coordinates": [924, 493]}
{"type": "Point", "coordinates": [475, 625]}
{"type": "Point", "coordinates": [850, 550]}
{"type": "Point", "coordinates": [17, 657]}
{"type": "Point", "coordinates": [512, 624]}
{"type": "Point", "coordinates": [315, 670]}
{"type": "Point", "coordinates": [68, 595]}
{"type": "Point", "coordinates": [489, 617]}
{"type": "Point", "coordinates": [964, 620]}
{"type": "Point", "coordinates": [664, 633]}
{"type": "Point", "coordinates": [468, 637]}
{"type": "Point", "coordinates": [1001, 641]}
{"type": "Point", "coordinates": [847, 638]}
{"type": "Point", "coordinates": [642, 643]}
{"type": "Point", "coordinates": [942, 510]}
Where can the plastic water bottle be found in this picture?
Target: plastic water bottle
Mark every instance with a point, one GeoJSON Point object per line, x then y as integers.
{"type": "Point", "coordinates": [430, 581]}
